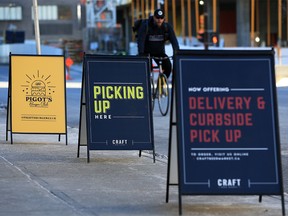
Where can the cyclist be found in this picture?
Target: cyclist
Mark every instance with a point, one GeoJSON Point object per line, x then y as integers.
{"type": "Point", "coordinates": [152, 37]}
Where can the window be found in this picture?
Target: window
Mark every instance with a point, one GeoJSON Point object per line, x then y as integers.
{"type": "Point", "coordinates": [10, 13]}
{"type": "Point", "coordinates": [53, 12]}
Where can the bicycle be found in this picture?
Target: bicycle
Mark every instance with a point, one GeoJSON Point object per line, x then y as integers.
{"type": "Point", "coordinates": [160, 88]}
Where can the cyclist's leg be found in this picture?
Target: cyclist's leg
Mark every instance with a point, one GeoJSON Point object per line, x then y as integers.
{"type": "Point", "coordinates": [167, 67]}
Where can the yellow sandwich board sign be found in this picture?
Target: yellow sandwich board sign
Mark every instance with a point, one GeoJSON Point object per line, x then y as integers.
{"type": "Point", "coordinates": [37, 89]}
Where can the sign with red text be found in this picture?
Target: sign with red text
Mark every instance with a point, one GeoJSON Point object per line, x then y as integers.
{"type": "Point", "coordinates": [227, 123]}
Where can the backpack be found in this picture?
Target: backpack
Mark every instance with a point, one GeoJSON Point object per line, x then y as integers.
{"type": "Point", "coordinates": [137, 25]}
{"type": "Point", "coordinates": [139, 22]}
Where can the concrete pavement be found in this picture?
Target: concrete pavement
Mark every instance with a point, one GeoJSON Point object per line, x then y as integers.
{"type": "Point", "coordinates": [41, 176]}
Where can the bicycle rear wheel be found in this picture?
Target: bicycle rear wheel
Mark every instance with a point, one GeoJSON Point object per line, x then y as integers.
{"type": "Point", "coordinates": [152, 92]}
{"type": "Point", "coordinates": [163, 94]}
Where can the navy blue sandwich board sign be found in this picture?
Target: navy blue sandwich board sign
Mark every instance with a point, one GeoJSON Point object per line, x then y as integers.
{"type": "Point", "coordinates": [118, 103]}
{"type": "Point", "coordinates": [227, 123]}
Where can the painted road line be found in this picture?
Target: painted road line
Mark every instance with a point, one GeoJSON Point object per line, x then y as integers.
{"type": "Point", "coordinates": [282, 82]}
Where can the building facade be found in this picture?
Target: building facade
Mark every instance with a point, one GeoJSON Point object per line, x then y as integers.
{"type": "Point", "coordinates": [239, 23]}
{"type": "Point", "coordinates": [57, 19]}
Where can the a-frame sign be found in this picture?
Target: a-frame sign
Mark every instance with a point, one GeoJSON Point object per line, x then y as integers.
{"type": "Point", "coordinates": [36, 95]}
{"type": "Point", "coordinates": [115, 112]}
{"type": "Point", "coordinates": [226, 120]}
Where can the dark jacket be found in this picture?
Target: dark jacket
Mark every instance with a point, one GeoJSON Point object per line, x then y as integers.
{"type": "Point", "coordinates": [152, 40]}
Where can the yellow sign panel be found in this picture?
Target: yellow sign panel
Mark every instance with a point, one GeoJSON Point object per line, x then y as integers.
{"type": "Point", "coordinates": [38, 94]}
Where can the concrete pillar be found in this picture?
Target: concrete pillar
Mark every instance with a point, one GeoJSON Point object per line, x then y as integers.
{"type": "Point", "coordinates": [243, 23]}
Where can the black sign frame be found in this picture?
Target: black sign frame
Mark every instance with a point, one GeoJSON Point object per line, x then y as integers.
{"type": "Point", "coordinates": [191, 97]}
{"type": "Point", "coordinates": [127, 114]}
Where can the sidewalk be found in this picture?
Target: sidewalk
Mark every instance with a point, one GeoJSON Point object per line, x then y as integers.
{"type": "Point", "coordinates": [41, 176]}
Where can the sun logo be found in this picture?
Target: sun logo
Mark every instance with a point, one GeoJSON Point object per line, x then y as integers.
{"type": "Point", "coordinates": [38, 90]}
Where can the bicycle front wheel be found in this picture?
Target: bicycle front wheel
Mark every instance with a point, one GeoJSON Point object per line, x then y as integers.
{"type": "Point", "coordinates": [152, 92]}
{"type": "Point", "coordinates": [163, 94]}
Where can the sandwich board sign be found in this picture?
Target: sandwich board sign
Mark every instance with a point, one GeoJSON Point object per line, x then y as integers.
{"type": "Point", "coordinates": [37, 95]}
{"type": "Point", "coordinates": [227, 123]}
{"type": "Point", "coordinates": [116, 104]}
